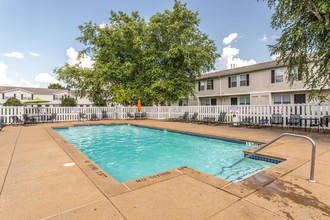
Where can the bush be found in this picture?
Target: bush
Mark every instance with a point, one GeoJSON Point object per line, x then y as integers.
{"type": "Point", "coordinates": [68, 101]}
{"type": "Point", "coordinates": [13, 102]}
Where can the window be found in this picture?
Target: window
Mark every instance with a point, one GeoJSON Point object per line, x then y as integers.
{"type": "Point", "coordinates": [183, 103]}
{"type": "Point", "coordinates": [206, 101]}
{"type": "Point", "coordinates": [286, 99]}
{"type": "Point", "coordinates": [295, 76]}
{"type": "Point", "coordinates": [8, 95]}
{"type": "Point", "coordinates": [244, 80]}
{"type": "Point", "coordinates": [57, 97]}
{"type": "Point", "coordinates": [277, 75]}
{"type": "Point", "coordinates": [232, 81]}
{"type": "Point", "coordinates": [213, 101]}
{"type": "Point", "coordinates": [26, 96]}
{"type": "Point", "coordinates": [200, 85]}
{"type": "Point", "coordinates": [244, 100]}
{"type": "Point", "coordinates": [209, 85]}
{"type": "Point", "coordinates": [81, 105]}
{"type": "Point", "coordinates": [282, 99]}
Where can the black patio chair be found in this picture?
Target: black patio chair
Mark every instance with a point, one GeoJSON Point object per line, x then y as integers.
{"type": "Point", "coordinates": [130, 115]}
{"type": "Point", "coordinates": [143, 115]}
{"type": "Point", "coordinates": [94, 117]}
{"type": "Point", "coordinates": [276, 119]}
{"type": "Point", "coordinates": [325, 122]}
{"type": "Point", "coordinates": [247, 122]}
{"type": "Point", "coordinates": [221, 119]}
{"type": "Point", "coordinates": [184, 117]}
{"type": "Point", "coordinates": [294, 121]}
{"type": "Point", "coordinates": [51, 117]}
{"type": "Point", "coordinates": [83, 116]}
{"type": "Point", "coordinates": [2, 123]}
{"type": "Point", "coordinates": [15, 120]}
{"type": "Point", "coordinates": [261, 123]}
{"type": "Point", "coordinates": [28, 120]}
{"type": "Point", "coordinates": [206, 120]}
{"type": "Point", "coordinates": [193, 117]}
{"type": "Point", "coordinates": [105, 115]}
{"type": "Point", "coordinates": [180, 118]}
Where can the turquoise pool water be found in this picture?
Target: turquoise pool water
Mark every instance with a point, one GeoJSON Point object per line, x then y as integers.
{"type": "Point", "coordinates": [128, 152]}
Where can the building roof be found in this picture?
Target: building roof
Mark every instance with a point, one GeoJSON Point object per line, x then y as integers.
{"type": "Point", "coordinates": [32, 90]}
{"type": "Point", "coordinates": [245, 69]}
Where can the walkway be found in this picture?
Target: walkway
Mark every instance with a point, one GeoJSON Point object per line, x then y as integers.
{"type": "Point", "coordinates": [35, 185]}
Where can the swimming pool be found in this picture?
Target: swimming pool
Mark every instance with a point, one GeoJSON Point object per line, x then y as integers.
{"type": "Point", "coordinates": [128, 152]}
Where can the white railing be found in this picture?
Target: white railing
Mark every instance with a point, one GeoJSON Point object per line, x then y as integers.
{"type": "Point", "coordinates": [256, 112]}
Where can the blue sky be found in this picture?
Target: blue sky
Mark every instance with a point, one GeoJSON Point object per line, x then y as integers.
{"type": "Point", "coordinates": [36, 35]}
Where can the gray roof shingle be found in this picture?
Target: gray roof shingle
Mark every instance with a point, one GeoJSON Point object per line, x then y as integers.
{"type": "Point", "coordinates": [33, 90]}
{"type": "Point", "coordinates": [245, 69]}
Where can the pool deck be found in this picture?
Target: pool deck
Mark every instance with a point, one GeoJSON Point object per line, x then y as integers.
{"type": "Point", "coordinates": [35, 184]}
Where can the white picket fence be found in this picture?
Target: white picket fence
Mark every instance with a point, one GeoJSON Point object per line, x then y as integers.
{"type": "Point", "coordinates": [256, 112]}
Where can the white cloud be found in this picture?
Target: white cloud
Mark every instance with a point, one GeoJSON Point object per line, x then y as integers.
{"type": "Point", "coordinates": [17, 55]}
{"type": "Point", "coordinates": [83, 62]}
{"type": "Point", "coordinates": [274, 57]}
{"type": "Point", "coordinates": [264, 38]}
{"type": "Point", "coordinates": [4, 79]}
{"type": "Point", "coordinates": [46, 78]}
{"type": "Point", "coordinates": [275, 37]}
{"type": "Point", "coordinates": [103, 25]}
{"type": "Point", "coordinates": [34, 54]}
{"type": "Point", "coordinates": [227, 58]}
{"type": "Point", "coordinates": [230, 38]}
{"type": "Point", "coordinates": [26, 83]}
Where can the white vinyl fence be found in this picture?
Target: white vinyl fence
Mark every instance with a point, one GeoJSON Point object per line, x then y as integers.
{"type": "Point", "coordinates": [256, 112]}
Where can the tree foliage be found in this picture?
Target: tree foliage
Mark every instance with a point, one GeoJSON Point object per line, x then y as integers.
{"type": "Point", "coordinates": [12, 102]}
{"type": "Point", "coordinates": [56, 86]}
{"type": "Point", "coordinates": [304, 43]}
{"type": "Point", "coordinates": [68, 101]}
{"type": "Point", "coordinates": [156, 61]}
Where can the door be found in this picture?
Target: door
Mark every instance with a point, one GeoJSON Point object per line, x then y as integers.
{"type": "Point", "coordinates": [213, 101]}
{"type": "Point", "coordinates": [233, 101]}
{"type": "Point", "coordinates": [299, 98]}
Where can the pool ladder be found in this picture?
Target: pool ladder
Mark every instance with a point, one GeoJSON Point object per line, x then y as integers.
{"type": "Point", "coordinates": [311, 178]}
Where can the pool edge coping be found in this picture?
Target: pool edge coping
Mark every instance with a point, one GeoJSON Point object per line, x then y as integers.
{"type": "Point", "coordinates": [111, 187]}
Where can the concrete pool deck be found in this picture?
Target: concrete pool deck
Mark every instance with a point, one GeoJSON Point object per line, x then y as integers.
{"type": "Point", "coordinates": [35, 184]}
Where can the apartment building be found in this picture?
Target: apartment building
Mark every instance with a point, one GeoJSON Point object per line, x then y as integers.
{"type": "Point", "coordinates": [52, 95]}
{"type": "Point", "coordinates": [258, 84]}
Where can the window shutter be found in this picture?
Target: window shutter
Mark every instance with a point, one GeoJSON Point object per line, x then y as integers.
{"type": "Point", "coordinates": [199, 86]}
{"type": "Point", "coordinates": [32, 96]}
{"type": "Point", "coordinates": [212, 84]}
{"type": "Point", "coordinates": [273, 76]}
{"type": "Point", "coordinates": [53, 97]}
{"type": "Point", "coordinates": [15, 96]}
{"type": "Point", "coordinates": [21, 96]}
{"type": "Point", "coordinates": [299, 76]}
{"type": "Point", "coordinates": [3, 95]}
{"type": "Point", "coordinates": [247, 80]}
{"type": "Point", "coordinates": [229, 82]}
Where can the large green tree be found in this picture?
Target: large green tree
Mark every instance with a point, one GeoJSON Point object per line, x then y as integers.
{"type": "Point", "coordinates": [305, 41]}
{"type": "Point", "coordinates": [156, 61]}
{"type": "Point", "coordinates": [56, 86]}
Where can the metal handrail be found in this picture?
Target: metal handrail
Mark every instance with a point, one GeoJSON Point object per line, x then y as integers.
{"type": "Point", "coordinates": [311, 179]}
